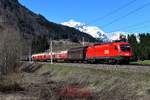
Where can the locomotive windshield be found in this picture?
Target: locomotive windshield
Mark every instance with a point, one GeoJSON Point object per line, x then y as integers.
{"type": "Point", "coordinates": [125, 48]}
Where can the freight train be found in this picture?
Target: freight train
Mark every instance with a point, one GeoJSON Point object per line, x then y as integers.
{"type": "Point", "coordinates": [114, 53]}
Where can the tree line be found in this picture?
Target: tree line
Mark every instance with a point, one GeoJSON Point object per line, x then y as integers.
{"type": "Point", "coordinates": [140, 45]}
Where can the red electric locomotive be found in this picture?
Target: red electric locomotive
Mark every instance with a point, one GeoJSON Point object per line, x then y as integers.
{"type": "Point", "coordinates": [115, 52]}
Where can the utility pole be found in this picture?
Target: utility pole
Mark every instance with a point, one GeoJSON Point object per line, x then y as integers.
{"type": "Point", "coordinates": [30, 54]}
{"type": "Point", "coordinates": [83, 41]}
{"type": "Point", "coordinates": [51, 50]}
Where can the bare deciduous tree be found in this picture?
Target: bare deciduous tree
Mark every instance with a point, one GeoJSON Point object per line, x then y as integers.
{"type": "Point", "coordinates": [10, 50]}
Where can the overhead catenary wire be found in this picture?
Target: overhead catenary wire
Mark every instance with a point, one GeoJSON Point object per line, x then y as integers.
{"type": "Point", "coordinates": [114, 11]}
{"type": "Point", "coordinates": [129, 30]}
{"type": "Point", "coordinates": [143, 26]}
{"type": "Point", "coordinates": [138, 28]}
{"type": "Point", "coordinates": [126, 15]}
{"type": "Point", "coordinates": [132, 26]}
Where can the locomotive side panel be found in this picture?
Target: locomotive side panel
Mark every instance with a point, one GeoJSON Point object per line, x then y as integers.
{"type": "Point", "coordinates": [101, 51]}
{"type": "Point", "coordinates": [90, 52]}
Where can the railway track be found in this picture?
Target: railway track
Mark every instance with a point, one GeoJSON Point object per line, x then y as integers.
{"type": "Point", "coordinates": [127, 68]}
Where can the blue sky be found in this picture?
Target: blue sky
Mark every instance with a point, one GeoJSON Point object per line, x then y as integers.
{"type": "Point", "coordinates": [92, 12]}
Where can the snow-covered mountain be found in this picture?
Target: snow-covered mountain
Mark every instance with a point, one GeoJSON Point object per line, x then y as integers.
{"type": "Point", "coordinates": [92, 30]}
{"type": "Point", "coordinates": [96, 32]}
{"type": "Point", "coordinates": [116, 35]}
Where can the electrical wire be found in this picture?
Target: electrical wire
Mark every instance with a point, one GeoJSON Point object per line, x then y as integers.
{"type": "Point", "coordinates": [126, 15]}
{"type": "Point", "coordinates": [131, 26]}
{"type": "Point", "coordinates": [114, 11]}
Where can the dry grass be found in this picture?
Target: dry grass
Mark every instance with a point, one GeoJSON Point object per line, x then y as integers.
{"type": "Point", "coordinates": [57, 82]}
{"type": "Point", "coordinates": [104, 84]}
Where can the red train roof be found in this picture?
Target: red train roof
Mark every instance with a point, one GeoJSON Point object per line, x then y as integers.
{"type": "Point", "coordinates": [117, 43]}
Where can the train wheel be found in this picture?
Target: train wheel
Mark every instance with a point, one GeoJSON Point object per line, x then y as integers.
{"type": "Point", "coordinates": [90, 61]}
{"type": "Point", "coordinates": [112, 61]}
{"type": "Point", "coordinates": [126, 62]}
{"type": "Point", "coordinates": [85, 61]}
{"type": "Point", "coordinates": [118, 62]}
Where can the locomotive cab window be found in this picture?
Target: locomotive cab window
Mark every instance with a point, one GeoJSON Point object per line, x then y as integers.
{"type": "Point", "coordinates": [125, 48]}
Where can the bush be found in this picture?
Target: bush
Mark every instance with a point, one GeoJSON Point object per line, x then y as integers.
{"type": "Point", "coordinates": [9, 86]}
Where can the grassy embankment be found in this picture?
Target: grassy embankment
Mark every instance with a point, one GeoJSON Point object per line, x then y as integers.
{"type": "Point", "coordinates": [107, 84]}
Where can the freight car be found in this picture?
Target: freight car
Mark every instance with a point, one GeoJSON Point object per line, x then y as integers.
{"type": "Point", "coordinates": [115, 52]}
{"type": "Point", "coordinates": [77, 54]}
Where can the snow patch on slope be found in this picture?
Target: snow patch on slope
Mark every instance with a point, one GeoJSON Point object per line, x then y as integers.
{"type": "Point", "coordinates": [91, 30]}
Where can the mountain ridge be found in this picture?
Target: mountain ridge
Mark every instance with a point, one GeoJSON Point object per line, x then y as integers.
{"type": "Point", "coordinates": [28, 24]}
{"type": "Point", "coordinates": [96, 32]}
